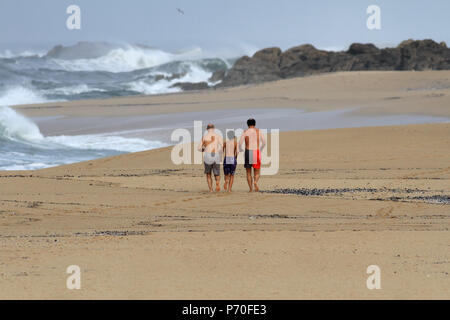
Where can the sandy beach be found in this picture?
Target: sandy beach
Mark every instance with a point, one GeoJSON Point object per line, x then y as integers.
{"type": "Point", "coordinates": [350, 195]}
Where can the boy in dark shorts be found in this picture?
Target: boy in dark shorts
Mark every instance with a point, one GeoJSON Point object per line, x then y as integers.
{"type": "Point", "coordinates": [229, 161]}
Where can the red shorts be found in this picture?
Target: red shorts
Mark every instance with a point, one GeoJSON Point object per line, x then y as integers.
{"type": "Point", "coordinates": [253, 159]}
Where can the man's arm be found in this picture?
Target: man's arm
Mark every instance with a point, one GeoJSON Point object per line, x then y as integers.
{"type": "Point", "coordinates": [200, 146]}
{"type": "Point", "coordinates": [241, 140]}
{"type": "Point", "coordinates": [263, 141]}
{"type": "Point", "coordinates": [203, 144]}
{"type": "Point", "coordinates": [220, 145]}
{"type": "Point", "coordinates": [220, 142]}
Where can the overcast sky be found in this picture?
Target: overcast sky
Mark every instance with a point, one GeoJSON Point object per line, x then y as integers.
{"type": "Point", "coordinates": [221, 23]}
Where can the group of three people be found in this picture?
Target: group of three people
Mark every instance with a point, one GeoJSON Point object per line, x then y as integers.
{"type": "Point", "coordinates": [214, 149]}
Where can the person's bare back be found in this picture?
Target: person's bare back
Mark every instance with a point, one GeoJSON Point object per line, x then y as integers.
{"type": "Point", "coordinates": [211, 146]}
{"type": "Point", "coordinates": [250, 136]}
{"type": "Point", "coordinates": [254, 143]}
{"type": "Point", "coordinates": [211, 142]}
{"type": "Point", "coordinates": [231, 148]}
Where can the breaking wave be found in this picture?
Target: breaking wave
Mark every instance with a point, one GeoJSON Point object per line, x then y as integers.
{"type": "Point", "coordinates": [100, 70]}
{"type": "Point", "coordinates": [23, 146]}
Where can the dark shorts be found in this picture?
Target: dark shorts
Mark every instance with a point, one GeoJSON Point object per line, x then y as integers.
{"type": "Point", "coordinates": [212, 163]}
{"type": "Point", "coordinates": [251, 159]}
{"type": "Point", "coordinates": [229, 165]}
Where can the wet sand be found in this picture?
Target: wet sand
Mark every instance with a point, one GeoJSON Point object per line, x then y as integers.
{"type": "Point", "coordinates": [160, 127]}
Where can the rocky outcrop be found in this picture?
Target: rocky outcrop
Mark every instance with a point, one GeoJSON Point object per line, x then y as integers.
{"type": "Point", "coordinates": [273, 64]}
{"type": "Point", "coordinates": [159, 77]}
{"type": "Point", "coordinates": [424, 55]}
{"type": "Point", "coordinates": [263, 66]}
{"type": "Point", "coordinates": [217, 76]}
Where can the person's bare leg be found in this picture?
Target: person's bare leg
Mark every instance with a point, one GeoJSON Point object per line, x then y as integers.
{"type": "Point", "coordinates": [209, 181]}
{"type": "Point", "coordinates": [230, 183]}
{"type": "Point", "coordinates": [257, 171]}
{"type": "Point", "coordinates": [227, 181]}
{"type": "Point", "coordinates": [249, 179]}
{"type": "Point", "coordinates": [217, 183]}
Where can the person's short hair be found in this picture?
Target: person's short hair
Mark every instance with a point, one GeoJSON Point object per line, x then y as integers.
{"type": "Point", "coordinates": [251, 122]}
{"type": "Point", "coordinates": [209, 126]}
{"type": "Point", "coordinates": [230, 134]}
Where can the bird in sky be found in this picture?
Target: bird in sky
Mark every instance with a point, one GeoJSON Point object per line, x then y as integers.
{"type": "Point", "coordinates": [180, 11]}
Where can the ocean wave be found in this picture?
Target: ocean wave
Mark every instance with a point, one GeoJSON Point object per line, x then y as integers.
{"type": "Point", "coordinates": [104, 142]}
{"type": "Point", "coordinates": [159, 87]}
{"type": "Point", "coordinates": [90, 70]}
{"type": "Point", "coordinates": [124, 59]}
{"type": "Point", "coordinates": [184, 71]}
{"type": "Point", "coordinates": [24, 147]}
{"type": "Point", "coordinates": [14, 126]}
{"type": "Point", "coordinates": [71, 90]}
{"type": "Point", "coordinates": [20, 95]}
{"type": "Point", "coordinates": [10, 54]}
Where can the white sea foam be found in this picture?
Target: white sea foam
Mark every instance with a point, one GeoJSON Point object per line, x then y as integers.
{"type": "Point", "coordinates": [104, 142]}
{"type": "Point", "coordinates": [8, 54]}
{"type": "Point", "coordinates": [24, 147]}
{"type": "Point", "coordinates": [129, 57]}
{"type": "Point", "coordinates": [20, 95]}
{"type": "Point", "coordinates": [126, 59]}
{"type": "Point", "coordinates": [56, 75]}
{"type": "Point", "coordinates": [195, 74]}
{"type": "Point", "coordinates": [71, 90]}
{"type": "Point", "coordinates": [162, 86]}
{"type": "Point", "coordinates": [16, 126]}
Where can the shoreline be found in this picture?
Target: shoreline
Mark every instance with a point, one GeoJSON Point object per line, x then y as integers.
{"type": "Point", "coordinates": [335, 100]}
{"type": "Point", "coordinates": [373, 91]}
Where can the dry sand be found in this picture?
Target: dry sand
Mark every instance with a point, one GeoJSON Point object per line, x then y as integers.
{"type": "Point", "coordinates": [141, 227]}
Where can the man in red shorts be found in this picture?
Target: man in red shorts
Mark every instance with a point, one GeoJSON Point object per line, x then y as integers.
{"type": "Point", "coordinates": [254, 143]}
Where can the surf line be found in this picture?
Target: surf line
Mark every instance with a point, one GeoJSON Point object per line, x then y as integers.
{"type": "Point", "coordinates": [199, 310]}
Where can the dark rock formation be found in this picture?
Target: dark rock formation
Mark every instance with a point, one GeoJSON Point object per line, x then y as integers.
{"type": "Point", "coordinates": [424, 55]}
{"type": "Point", "coordinates": [159, 77]}
{"type": "Point", "coordinates": [187, 86]}
{"type": "Point", "coordinates": [217, 75]}
{"type": "Point", "coordinates": [263, 66]}
{"type": "Point", "coordinates": [360, 48]}
{"type": "Point", "coordinates": [273, 64]}
{"type": "Point", "coordinates": [176, 76]}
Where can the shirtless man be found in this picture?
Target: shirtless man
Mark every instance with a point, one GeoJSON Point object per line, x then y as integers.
{"type": "Point", "coordinates": [254, 144]}
{"type": "Point", "coordinates": [211, 145]}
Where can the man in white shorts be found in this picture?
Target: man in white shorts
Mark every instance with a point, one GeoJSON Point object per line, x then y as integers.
{"type": "Point", "coordinates": [211, 145]}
